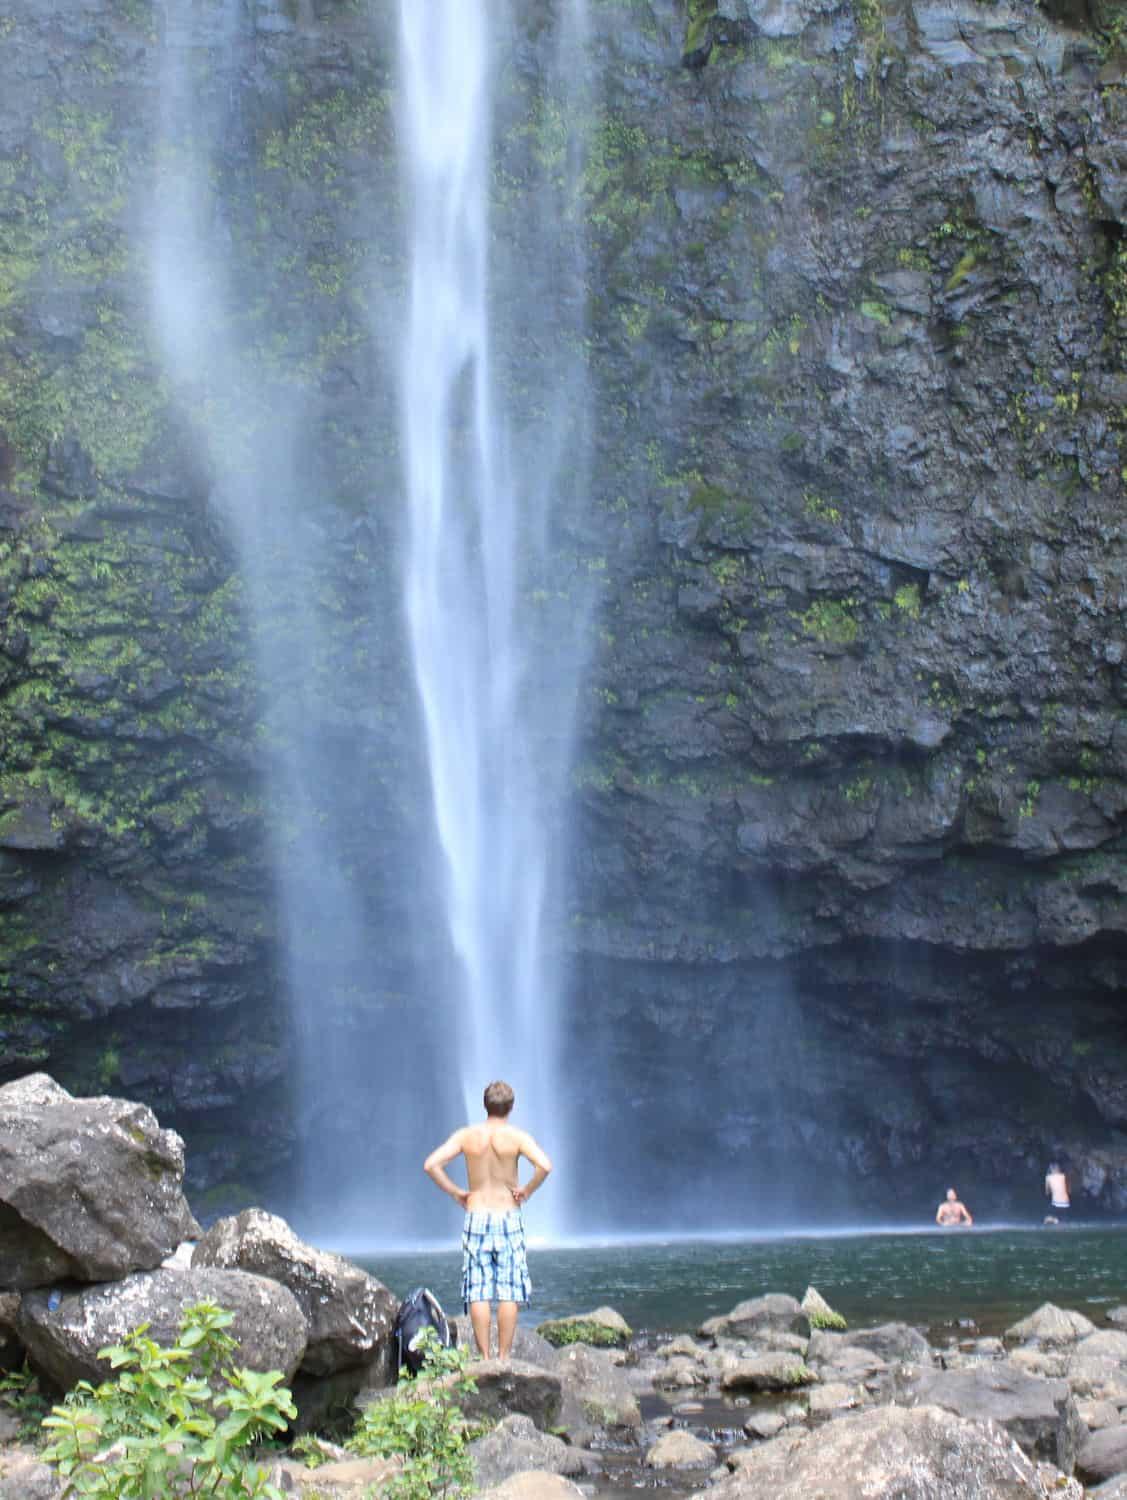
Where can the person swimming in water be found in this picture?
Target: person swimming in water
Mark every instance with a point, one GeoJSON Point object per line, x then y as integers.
{"type": "Point", "coordinates": [951, 1214]}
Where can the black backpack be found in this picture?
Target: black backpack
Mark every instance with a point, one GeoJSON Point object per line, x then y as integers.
{"type": "Point", "coordinates": [419, 1310]}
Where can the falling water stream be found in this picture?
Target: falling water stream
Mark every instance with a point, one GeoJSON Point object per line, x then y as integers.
{"type": "Point", "coordinates": [477, 547]}
{"type": "Point", "coordinates": [494, 613]}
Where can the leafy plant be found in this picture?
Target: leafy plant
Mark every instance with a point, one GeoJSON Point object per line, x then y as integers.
{"type": "Point", "coordinates": [422, 1423]}
{"type": "Point", "coordinates": [19, 1391]}
{"type": "Point", "coordinates": [175, 1421]}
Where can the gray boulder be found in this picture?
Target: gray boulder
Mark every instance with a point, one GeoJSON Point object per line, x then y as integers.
{"type": "Point", "coordinates": [533, 1484]}
{"type": "Point", "coordinates": [269, 1327]}
{"type": "Point", "coordinates": [893, 1453]}
{"type": "Point", "coordinates": [345, 1478]}
{"type": "Point", "coordinates": [1106, 1343]}
{"type": "Point", "coordinates": [1051, 1325]}
{"type": "Point", "coordinates": [1096, 1414]}
{"type": "Point", "coordinates": [679, 1449]}
{"type": "Point", "coordinates": [1102, 1455]}
{"type": "Point", "coordinates": [597, 1396]}
{"type": "Point", "coordinates": [764, 1424]}
{"type": "Point", "coordinates": [1040, 1415]}
{"type": "Point", "coordinates": [768, 1372]}
{"type": "Point", "coordinates": [1111, 1489]}
{"type": "Point", "coordinates": [90, 1189]}
{"type": "Point", "coordinates": [509, 1386]}
{"type": "Point", "coordinates": [749, 1320]}
{"type": "Point", "coordinates": [516, 1445]}
{"type": "Point", "coordinates": [834, 1356]}
{"type": "Point", "coordinates": [23, 1477]}
{"type": "Point", "coordinates": [679, 1374]}
{"type": "Point", "coordinates": [350, 1314]}
{"type": "Point", "coordinates": [895, 1343]}
{"type": "Point", "coordinates": [1096, 1378]}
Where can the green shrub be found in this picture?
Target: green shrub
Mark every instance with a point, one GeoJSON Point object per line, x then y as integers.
{"type": "Point", "coordinates": [19, 1391]}
{"type": "Point", "coordinates": [174, 1421]}
{"type": "Point", "coordinates": [422, 1424]}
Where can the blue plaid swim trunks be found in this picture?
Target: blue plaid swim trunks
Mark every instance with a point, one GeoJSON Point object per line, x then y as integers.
{"type": "Point", "coordinates": [494, 1265]}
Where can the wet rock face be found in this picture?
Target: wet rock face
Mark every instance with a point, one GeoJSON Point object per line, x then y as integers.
{"type": "Point", "coordinates": [837, 816]}
{"type": "Point", "coordinates": [852, 769]}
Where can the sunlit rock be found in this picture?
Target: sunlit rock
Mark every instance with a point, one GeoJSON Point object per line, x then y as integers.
{"type": "Point", "coordinates": [90, 1189]}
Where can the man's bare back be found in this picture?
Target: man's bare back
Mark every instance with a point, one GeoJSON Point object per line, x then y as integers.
{"type": "Point", "coordinates": [492, 1151]}
{"type": "Point", "coordinates": [493, 1257]}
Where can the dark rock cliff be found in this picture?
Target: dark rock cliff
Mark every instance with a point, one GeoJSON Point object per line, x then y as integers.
{"type": "Point", "coordinates": [848, 870]}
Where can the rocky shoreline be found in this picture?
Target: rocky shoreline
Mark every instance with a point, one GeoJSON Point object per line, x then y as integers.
{"type": "Point", "coordinates": [776, 1398]}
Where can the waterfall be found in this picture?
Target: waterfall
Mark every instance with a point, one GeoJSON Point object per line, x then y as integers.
{"type": "Point", "coordinates": [493, 613]}
{"type": "Point", "coordinates": [480, 499]}
{"type": "Point", "coordinates": [255, 420]}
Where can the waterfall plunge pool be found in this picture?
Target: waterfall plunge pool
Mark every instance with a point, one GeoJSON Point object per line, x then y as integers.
{"type": "Point", "coordinates": [991, 1275]}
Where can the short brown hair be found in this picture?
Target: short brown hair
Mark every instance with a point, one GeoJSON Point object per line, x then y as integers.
{"type": "Point", "coordinates": [498, 1098]}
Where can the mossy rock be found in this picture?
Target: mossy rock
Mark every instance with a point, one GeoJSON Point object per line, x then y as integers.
{"type": "Point", "coordinates": [604, 1328]}
{"type": "Point", "coordinates": [820, 1313]}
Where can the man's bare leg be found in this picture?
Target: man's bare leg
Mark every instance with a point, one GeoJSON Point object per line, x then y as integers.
{"type": "Point", "coordinates": [479, 1321]}
{"type": "Point", "coordinates": [506, 1327]}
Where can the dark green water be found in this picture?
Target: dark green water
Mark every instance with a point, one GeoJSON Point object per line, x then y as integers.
{"type": "Point", "coordinates": [934, 1278]}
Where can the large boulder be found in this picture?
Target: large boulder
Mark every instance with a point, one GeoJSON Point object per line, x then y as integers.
{"type": "Point", "coordinates": [90, 1189]}
{"type": "Point", "coordinates": [768, 1372]}
{"type": "Point", "coordinates": [23, 1477]}
{"type": "Point", "coordinates": [597, 1396]}
{"type": "Point", "coordinates": [340, 1479]}
{"type": "Point", "coordinates": [269, 1327]}
{"type": "Point", "coordinates": [893, 1453]}
{"type": "Point", "coordinates": [1105, 1343]}
{"type": "Point", "coordinates": [1102, 1455]}
{"type": "Point", "coordinates": [515, 1445]}
{"type": "Point", "coordinates": [835, 1357]}
{"type": "Point", "coordinates": [533, 1484]}
{"type": "Point", "coordinates": [350, 1314]}
{"type": "Point", "coordinates": [1040, 1415]}
{"type": "Point", "coordinates": [508, 1386]}
{"type": "Point", "coordinates": [1051, 1325]}
{"type": "Point", "coordinates": [896, 1343]}
{"type": "Point", "coordinates": [751, 1319]}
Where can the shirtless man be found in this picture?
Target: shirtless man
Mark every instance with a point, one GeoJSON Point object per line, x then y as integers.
{"type": "Point", "coordinates": [951, 1212]}
{"type": "Point", "coordinates": [494, 1267]}
{"type": "Point", "coordinates": [1056, 1190]}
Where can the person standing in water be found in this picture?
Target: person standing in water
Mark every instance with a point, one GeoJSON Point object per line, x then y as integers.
{"type": "Point", "coordinates": [1056, 1189]}
{"type": "Point", "coordinates": [494, 1263]}
{"type": "Point", "coordinates": [951, 1212]}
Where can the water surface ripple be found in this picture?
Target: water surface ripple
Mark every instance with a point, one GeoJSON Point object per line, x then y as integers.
{"type": "Point", "coordinates": [992, 1276]}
